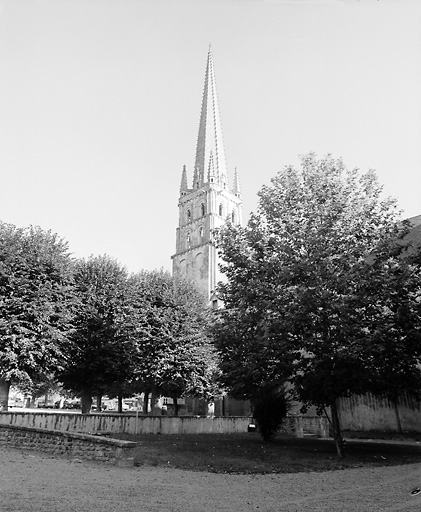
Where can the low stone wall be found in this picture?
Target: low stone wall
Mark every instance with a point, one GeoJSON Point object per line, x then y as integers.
{"type": "Point", "coordinates": [129, 424]}
{"type": "Point", "coordinates": [84, 446]}
{"type": "Point", "coordinates": [299, 426]}
{"type": "Point", "coordinates": [124, 423]}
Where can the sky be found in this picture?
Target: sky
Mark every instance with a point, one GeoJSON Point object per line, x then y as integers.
{"type": "Point", "coordinates": [100, 103]}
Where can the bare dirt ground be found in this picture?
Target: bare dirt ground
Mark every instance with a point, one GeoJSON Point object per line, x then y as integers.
{"type": "Point", "coordinates": [37, 482]}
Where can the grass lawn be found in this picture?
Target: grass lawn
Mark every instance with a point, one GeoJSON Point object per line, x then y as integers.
{"type": "Point", "coordinates": [248, 454]}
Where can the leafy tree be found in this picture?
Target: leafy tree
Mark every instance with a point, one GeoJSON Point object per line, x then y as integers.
{"type": "Point", "coordinates": [100, 358]}
{"type": "Point", "coordinates": [44, 385]}
{"type": "Point", "coordinates": [301, 285]}
{"type": "Point", "coordinates": [169, 319]}
{"type": "Point", "coordinates": [254, 347]}
{"type": "Point", "coordinates": [143, 333]}
{"type": "Point", "coordinates": [393, 312]}
{"type": "Point", "coordinates": [270, 407]}
{"type": "Point", "coordinates": [36, 304]}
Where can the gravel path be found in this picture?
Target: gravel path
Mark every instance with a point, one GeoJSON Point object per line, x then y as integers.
{"type": "Point", "coordinates": [35, 482]}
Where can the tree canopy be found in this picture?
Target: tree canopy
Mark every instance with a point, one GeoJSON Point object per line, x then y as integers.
{"type": "Point", "coordinates": [140, 333]}
{"type": "Point", "coordinates": [36, 305]}
{"type": "Point", "coordinates": [100, 358]}
{"type": "Point", "coordinates": [169, 319]}
{"type": "Point", "coordinates": [318, 291]}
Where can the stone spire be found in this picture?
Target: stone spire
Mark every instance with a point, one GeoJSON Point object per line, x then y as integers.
{"type": "Point", "coordinates": [236, 189]}
{"type": "Point", "coordinates": [209, 140]}
{"type": "Point", "coordinates": [211, 169]}
{"type": "Point", "coordinates": [184, 187]}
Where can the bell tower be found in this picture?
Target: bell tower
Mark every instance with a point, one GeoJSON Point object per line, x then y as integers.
{"type": "Point", "coordinates": [210, 202]}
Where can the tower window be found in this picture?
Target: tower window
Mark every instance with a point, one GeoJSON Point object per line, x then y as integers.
{"type": "Point", "coordinates": [220, 210]}
{"type": "Point", "coordinates": [201, 233]}
{"type": "Point", "coordinates": [202, 209]}
{"type": "Point", "coordinates": [188, 215]}
{"type": "Point", "coordinates": [188, 241]}
{"type": "Point", "coordinates": [233, 216]}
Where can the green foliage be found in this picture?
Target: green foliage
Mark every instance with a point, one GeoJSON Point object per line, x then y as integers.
{"type": "Point", "coordinates": [318, 290]}
{"type": "Point", "coordinates": [100, 358]}
{"type": "Point", "coordinates": [168, 322]}
{"type": "Point", "coordinates": [253, 346]}
{"type": "Point", "coordinates": [44, 385]}
{"type": "Point", "coordinates": [138, 333]}
{"type": "Point", "coordinates": [36, 303]}
{"type": "Point", "coordinates": [269, 410]}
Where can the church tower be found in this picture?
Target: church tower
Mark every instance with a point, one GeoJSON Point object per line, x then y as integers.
{"type": "Point", "coordinates": [210, 202]}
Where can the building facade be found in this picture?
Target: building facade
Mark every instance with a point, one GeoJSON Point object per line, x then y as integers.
{"type": "Point", "coordinates": [210, 201]}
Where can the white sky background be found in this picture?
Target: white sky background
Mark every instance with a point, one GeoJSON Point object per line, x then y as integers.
{"type": "Point", "coordinates": [100, 104]}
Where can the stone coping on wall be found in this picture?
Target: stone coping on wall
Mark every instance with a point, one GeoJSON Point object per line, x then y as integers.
{"type": "Point", "coordinates": [83, 445]}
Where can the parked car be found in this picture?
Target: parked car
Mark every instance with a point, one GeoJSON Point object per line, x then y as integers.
{"type": "Point", "coordinates": [62, 404]}
{"type": "Point", "coordinates": [130, 404]}
{"type": "Point", "coordinates": [14, 403]}
{"type": "Point", "coordinates": [94, 407]}
{"type": "Point", "coordinates": [74, 404]}
{"type": "Point", "coordinates": [42, 404]}
{"type": "Point", "coordinates": [67, 404]}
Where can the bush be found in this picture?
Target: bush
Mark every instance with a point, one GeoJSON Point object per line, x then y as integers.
{"type": "Point", "coordinates": [269, 409]}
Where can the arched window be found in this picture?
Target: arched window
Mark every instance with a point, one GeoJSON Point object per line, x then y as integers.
{"type": "Point", "coordinates": [202, 209]}
{"type": "Point", "coordinates": [188, 241]}
{"type": "Point", "coordinates": [188, 215]}
{"type": "Point", "coordinates": [220, 210]}
{"type": "Point", "coordinates": [201, 233]}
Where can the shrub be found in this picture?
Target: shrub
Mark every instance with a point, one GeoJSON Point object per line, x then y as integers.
{"type": "Point", "coordinates": [269, 409]}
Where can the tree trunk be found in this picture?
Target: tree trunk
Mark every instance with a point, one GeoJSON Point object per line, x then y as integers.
{"type": "Point", "coordinates": [4, 394]}
{"type": "Point", "coordinates": [398, 419]}
{"type": "Point", "coordinates": [120, 404]}
{"type": "Point", "coordinates": [336, 427]}
{"type": "Point", "coordinates": [175, 406]}
{"type": "Point", "coordinates": [146, 402]}
{"type": "Point", "coordinates": [99, 403]}
{"type": "Point", "coordinates": [86, 402]}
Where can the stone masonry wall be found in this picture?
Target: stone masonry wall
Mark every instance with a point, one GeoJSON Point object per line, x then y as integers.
{"type": "Point", "coordinates": [84, 446]}
{"type": "Point", "coordinates": [299, 426]}
{"type": "Point", "coordinates": [124, 423]}
{"type": "Point", "coordinates": [129, 424]}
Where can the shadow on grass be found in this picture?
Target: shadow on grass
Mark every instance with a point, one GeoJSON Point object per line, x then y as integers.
{"type": "Point", "coordinates": [248, 454]}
